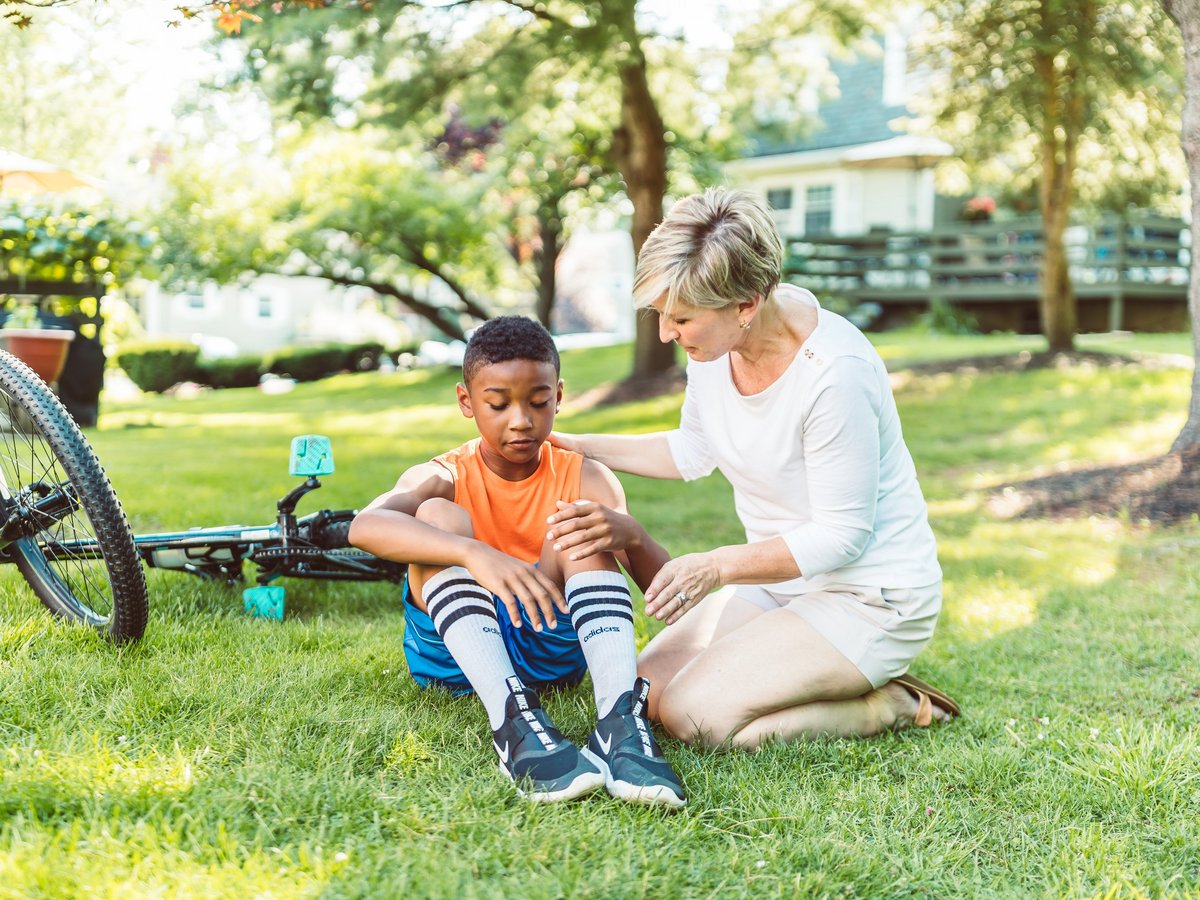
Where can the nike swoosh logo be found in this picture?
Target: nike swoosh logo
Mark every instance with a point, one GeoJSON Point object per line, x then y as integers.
{"type": "Point", "coordinates": [605, 744]}
{"type": "Point", "coordinates": [503, 752]}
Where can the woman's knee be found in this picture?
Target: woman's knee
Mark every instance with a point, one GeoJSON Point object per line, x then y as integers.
{"type": "Point", "coordinates": [686, 710]}
{"type": "Point", "coordinates": [445, 515]}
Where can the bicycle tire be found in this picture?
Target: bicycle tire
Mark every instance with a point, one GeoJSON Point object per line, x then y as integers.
{"type": "Point", "coordinates": [41, 445]}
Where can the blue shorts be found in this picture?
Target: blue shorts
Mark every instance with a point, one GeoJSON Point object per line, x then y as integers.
{"type": "Point", "coordinates": [549, 658]}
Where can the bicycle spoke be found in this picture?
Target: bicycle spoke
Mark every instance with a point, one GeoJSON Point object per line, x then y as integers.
{"type": "Point", "coordinates": [26, 460]}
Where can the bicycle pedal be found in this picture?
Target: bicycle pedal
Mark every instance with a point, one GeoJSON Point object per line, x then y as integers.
{"type": "Point", "coordinates": [264, 602]}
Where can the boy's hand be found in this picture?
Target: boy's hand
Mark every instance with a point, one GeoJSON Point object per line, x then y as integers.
{"type": "Point", "coordinates": [585, 528]}
{"type": "Point", "coordinates": [517, 584]}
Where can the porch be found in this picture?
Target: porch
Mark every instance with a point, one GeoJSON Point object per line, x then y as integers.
{"type": "Point", "coordinates": [1128, 274]}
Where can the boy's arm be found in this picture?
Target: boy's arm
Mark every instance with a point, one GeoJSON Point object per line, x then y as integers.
{"type": "Point", "coordinates": [387, 528]}
{"type": "Point", "coordinates": [600, 522]}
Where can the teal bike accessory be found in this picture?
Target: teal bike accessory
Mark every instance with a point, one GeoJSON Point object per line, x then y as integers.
{"type": "Point", "coordinates": [312, 454]}
{"type": "Point", "coordinates": [264, 602]}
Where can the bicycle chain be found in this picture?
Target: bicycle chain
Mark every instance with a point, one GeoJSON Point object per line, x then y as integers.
{"type": "Point", "coordinates": [344, 552]}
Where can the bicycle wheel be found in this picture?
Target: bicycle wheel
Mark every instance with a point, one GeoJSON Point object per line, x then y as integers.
{"type": "Point", "coordinates": [70, 538]}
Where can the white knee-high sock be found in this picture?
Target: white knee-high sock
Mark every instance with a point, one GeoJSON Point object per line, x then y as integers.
{"type": "Point", "coordinates": [602, 615]}
{"type": "Point", "coordinates": [464, 616]}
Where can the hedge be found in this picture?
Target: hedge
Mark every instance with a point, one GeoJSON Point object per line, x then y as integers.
{"type": "Point", "coordinates": [307, 363]}
{"type": "Point", "coordinates": [158, 365]}
{"type": "Point", "coordinates": [233, 372]}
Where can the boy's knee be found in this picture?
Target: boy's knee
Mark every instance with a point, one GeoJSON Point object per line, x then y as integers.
{"type": "Point", "coordinates": [560, 561]}
{"type": "Point", "coordinates": [445, 515]}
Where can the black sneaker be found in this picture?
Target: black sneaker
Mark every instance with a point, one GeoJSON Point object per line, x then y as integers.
{"type": "Point", "coordinates": [625, 750]}
{"type": "Point", "coordinates": [542, 763]}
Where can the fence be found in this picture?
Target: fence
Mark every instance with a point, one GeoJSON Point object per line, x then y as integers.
{"type": "Point", "coordinates": [1127, 273]}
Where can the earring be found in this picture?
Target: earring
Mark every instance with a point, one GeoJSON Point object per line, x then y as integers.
{"type": "Point", "coordinates": [745, 324]}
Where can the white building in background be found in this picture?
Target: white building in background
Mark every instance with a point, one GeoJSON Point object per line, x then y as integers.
{"type": "Point", "coordinates": [272, 311]}
{"type": "Point", "coordinates": [857, 171]}
{"type": "Point", "coordinates": [594, 285]}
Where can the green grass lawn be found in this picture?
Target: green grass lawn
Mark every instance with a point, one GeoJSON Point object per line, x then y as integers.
{"type": "Point", "coordinates": [227, 757]}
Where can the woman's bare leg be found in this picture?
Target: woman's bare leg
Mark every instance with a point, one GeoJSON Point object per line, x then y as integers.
{"type": "Point", "coordinates": [677, 645]}
{"type": "Point", "coordinates": [775, 677]}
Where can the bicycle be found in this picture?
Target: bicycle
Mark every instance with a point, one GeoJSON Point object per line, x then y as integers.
{"type": "Point", "coordinates": [63, 526]}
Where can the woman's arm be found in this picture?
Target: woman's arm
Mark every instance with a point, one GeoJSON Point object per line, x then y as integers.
{"type": "Point", "coordinates": [695, 575]}
{"type": "Point", "coordinates": [648, 455]}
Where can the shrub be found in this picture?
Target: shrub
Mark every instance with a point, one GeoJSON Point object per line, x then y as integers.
{"type": "Point", "coordinates": [943, 317]}
{"type": "Point", "coordinates": [233, 372]}
{"type": "Point", "coordinates": [307, 363]}
{"type": "Point", "coordinates": [157, 365]}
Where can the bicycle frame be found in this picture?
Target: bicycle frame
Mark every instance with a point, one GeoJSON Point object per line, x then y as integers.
{"type": "Point", "coordinates": [312, 546]}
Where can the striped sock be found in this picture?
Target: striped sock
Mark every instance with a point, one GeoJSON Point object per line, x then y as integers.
{"type": "Point", "coordinates": [464, 616]}
{"type": "Point", "coordinates": [602, 615]}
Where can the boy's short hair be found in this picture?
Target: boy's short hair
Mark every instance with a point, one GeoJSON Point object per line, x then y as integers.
{"type": "Point", "coordinates": [508, 337]}
{"type": "Point", "coordinates": [712, 250]}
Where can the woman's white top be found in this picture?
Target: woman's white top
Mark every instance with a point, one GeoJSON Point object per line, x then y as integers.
{"type": "Point", "coordinates": [816, 458]}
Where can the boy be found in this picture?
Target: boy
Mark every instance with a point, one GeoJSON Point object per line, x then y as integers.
{"type": "Point", "coordinates": [471, 524]}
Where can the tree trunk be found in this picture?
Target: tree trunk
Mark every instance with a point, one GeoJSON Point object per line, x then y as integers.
{"type": "Point", "coordinates": [640, 149]}
{"type": "Point", "coordinates": [1058, 295]}
{"type": "Point", "coordinates": [1186, 14]}
{"type": "Point", "coordinates": [1057, 304]}
{"type": "Point", "coordinates": [547, 259]}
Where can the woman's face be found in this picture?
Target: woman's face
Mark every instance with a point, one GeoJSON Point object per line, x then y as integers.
{"type": "Point", "coordinates": [704, 333]}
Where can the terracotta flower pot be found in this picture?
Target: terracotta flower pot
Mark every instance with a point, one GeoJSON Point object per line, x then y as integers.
{"type": "Point", "coordinates": [42, 349]}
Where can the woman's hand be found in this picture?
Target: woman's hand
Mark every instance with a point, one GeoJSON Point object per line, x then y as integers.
{"type": "Point", "coordinates": [566, 442]}
{"type": "Point", "coordinates": [517, 584]}
{"type": "Point", "coordinates": [681, 584]}
{"type": "Point", "coordinates": [585, 528]}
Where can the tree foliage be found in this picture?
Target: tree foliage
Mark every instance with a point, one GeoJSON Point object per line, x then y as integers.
{"type": "Point", "coordinates": [392, 63]}
{"type": "Point", "coordinates": [45, 243]}
{"type": "Point", "coordinates": [352, 208]}
{"type": "Point", "coordinates": [1077, 97]}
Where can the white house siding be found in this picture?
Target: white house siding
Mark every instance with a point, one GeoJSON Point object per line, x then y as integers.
{"type": "Point", "coordinates": [863, 198]}
{"type": "Point", "coordinates": [273, 311]}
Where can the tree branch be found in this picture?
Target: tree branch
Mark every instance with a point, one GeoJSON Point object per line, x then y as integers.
{"type": "Point", "coordinates": [422, 262]}
{"type": "Point", "coordinates": [423, 308]}
{"type": "Point", "coordinates": [539, 13]}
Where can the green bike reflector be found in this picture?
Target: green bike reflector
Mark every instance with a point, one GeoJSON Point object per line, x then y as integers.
{"type": "Point", "coordinates": [312, 454]}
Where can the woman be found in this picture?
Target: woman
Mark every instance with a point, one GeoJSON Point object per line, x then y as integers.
{"type": "Point", "coordinates": [838, 587]}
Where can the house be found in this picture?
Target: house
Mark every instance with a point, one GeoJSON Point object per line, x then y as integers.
{"type": "Point", "coordinates": [856, 201]}
{"type": "Point", "coordinates": [272, 311]}
{"type": "Point", "coordinates": [856, 171]}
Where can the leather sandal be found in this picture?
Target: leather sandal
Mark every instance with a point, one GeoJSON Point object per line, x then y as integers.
{"type": "Point", "coordinates": [926, 695]}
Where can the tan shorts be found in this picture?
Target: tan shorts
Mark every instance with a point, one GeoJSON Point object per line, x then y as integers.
{"type": "Point", "coordinates": [881, 631]}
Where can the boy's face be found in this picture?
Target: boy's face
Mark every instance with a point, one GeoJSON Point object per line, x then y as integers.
{"type": "Point", "coordinates": [513, 404]}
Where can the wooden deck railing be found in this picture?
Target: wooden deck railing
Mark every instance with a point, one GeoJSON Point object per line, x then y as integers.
{"type": "Point", "coordinates": [970, 264]}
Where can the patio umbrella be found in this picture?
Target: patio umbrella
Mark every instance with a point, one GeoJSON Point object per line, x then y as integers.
{"type": "Point", "coordinates": [25, 175]}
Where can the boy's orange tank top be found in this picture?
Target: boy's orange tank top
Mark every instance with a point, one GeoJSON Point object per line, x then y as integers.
{"type": "Point", "coordinates": [511, 515]}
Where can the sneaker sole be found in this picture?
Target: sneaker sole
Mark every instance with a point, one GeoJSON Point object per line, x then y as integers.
{"type": "Point", "coordinates": [646, 794]}
{"type": "Point", "coordinates": [585, 783]}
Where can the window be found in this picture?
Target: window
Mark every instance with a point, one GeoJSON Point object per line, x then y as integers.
{"type": "Point", "coordinates": [779, 199]}
{"type": "Point", "coordinates": [818, 209]}
{"type": "Point", "coordinates": [780, 202]}
{"type": "Point", "coordinates": [265, 307]}
{"type": "Point", "coordinates": [195, 302]}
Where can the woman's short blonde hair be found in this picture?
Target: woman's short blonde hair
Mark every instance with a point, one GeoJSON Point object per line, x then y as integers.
{"type": "Point", "coordinates": [712, 250]}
